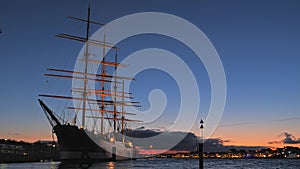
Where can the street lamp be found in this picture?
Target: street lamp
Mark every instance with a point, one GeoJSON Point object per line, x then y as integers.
{"type": "Point", "coordinates": [201, 141]}
{"type": "Point", "coordinates": [150, 147]}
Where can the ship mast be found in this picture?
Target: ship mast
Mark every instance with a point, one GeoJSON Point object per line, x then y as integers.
{"type": "Point", "coordinates": [86, 58]}
{"type": "Point", "coordinates": [103, 87]}
{"type": "Point", "coordinates": [115, 90]}
{"type": "Point", "coordinates": [108, 97]}
{"type": "Point", "coordinates": [122, 111]}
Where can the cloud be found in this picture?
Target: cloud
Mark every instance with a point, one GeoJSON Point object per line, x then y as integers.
{"type": "Point", "coordinates": [216, 145]}
{"type": "Point", "coordinates": [226, 141]}
{"type": "Point", "coordinates": [238, 124]}
{"type": "Point", "coordinates": [288, 139]}
{"type": "Point", "coordinates": [275, 142]}
{"type": "Point", "coordinates": [13, 134]}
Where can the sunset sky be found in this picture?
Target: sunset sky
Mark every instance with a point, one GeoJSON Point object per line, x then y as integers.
{"type": "Point", "coordinates": [258, 43]}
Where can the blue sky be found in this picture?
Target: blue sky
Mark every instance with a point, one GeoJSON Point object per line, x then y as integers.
{"type": "Point", "coordinates": [258, 44]}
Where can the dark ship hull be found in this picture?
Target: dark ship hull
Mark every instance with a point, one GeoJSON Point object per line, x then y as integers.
{"type": "Point", "coordinates": [77, 145]}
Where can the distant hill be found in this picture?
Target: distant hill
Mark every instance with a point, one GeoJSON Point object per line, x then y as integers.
{"type": "Point", "coordinates": [188, 143]}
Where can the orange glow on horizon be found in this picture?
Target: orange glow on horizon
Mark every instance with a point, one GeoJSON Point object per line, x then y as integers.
{"type": "Point", "coordinates": [237, 136]}
{"type": "Point", "coordinates": [28, 138]}
{"type": "Point", "coordinates": [257, 135]}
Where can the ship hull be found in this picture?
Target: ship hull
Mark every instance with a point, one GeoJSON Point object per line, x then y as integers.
{"type": "Point", "coordinates": [77, 145]}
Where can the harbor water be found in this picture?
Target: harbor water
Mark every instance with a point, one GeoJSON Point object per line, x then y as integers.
{"type": "Point", "coordinates": [168, 164]}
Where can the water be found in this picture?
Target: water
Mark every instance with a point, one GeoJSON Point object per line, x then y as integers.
{"type": "Point", "coordinates": [170, 164]}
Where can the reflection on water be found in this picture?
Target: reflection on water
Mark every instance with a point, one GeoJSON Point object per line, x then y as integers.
{"type": "Point", "coordinates": [103, 165]}
{"type": "Point", "coordinates": [193, 163]}
{"type": "Point", "coordinates": [111, 165]}
{"type": "Point", "coordinates": [36, 165]}
{"type": "Point", "coordinates": [166, 164]}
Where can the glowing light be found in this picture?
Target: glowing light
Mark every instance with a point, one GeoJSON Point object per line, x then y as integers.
{"type": "Point", "coordinates": [111, 140]}
{"type": "Point", "coordinates": [111, 165]}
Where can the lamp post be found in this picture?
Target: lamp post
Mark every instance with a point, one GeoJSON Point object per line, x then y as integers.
{"type": "Point", "coordinates": [201, 140]}
{"type": "Point", "coordinates": [150, 147]}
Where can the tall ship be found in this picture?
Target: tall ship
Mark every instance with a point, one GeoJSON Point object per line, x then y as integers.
{"type": "Point", "coordinates": [96, 133]}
